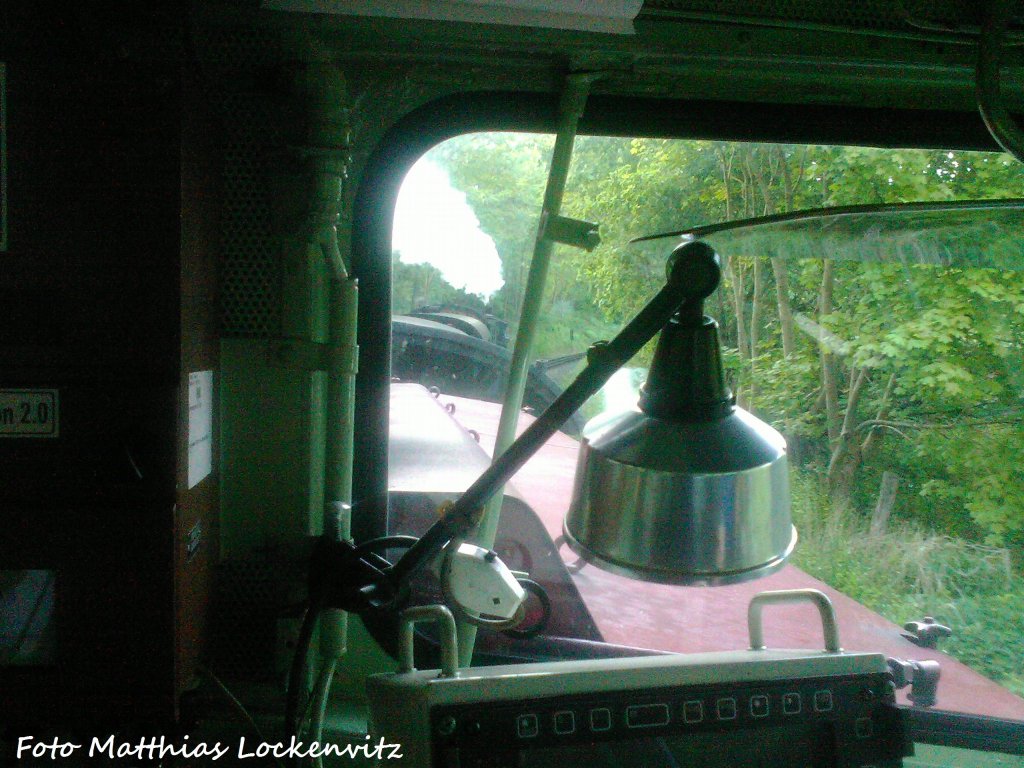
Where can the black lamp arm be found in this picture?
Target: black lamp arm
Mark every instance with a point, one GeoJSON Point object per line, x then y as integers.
{"type": "Point", "coordinates": [694, 273]}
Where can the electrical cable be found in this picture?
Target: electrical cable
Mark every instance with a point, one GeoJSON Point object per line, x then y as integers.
{"type": "Point", "coordinates": [666, 752]}
{"type": "Point", "coordinates": [238, 706]}
{"type": "Point", "coordinates": [385, 542]}
{"type": "Point", "coordinates": [297, 670]}
{"type": "Point", "coordinates": [316, 703]}
{"type": "Point", "coordinates": [321, 694]}
{"type": "Point", "coordinates": [367, 551]}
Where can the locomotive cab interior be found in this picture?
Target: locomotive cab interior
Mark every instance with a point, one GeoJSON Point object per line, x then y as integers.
{"type": "Point", "coordinates": [259, 474]}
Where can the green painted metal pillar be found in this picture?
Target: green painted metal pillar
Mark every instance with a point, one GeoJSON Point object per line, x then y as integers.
{"type": "Point", "coordinates": [573, 102]}
{"type": "Point", "coordinates": [327, 151]}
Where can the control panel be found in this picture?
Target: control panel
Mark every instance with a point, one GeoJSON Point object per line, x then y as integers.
{"type": "Point", "coordinates": [759, 707]}
{"type": "Point", "coordinates": [824, 721]}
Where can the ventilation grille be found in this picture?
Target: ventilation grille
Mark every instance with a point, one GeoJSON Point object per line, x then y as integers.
{"type": "Point", "coordinates": [252, 599]}
{"type": "Point", "coordinates": [250, 264]}
{"type": "Point", "coordinates": [253, 593]}
{"type": "Point", "coordinates": [251, 277]}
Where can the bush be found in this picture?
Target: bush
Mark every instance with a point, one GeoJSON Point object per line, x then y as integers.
{"type": "Point", "coordinates": [906, 573]}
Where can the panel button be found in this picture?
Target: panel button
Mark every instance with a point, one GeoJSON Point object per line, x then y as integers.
{"type": "Point", "coordinates": [646, 715]}
{"type": "Point", "coordinates": [565, 722]}
{"type": "Point", "coordinates": [726, 708]}
{"type": "Point", "coordinates": [759, 705]}
{"type": "Point", "coordinates": [527, 726]}
{"type": "Point", "coordinates": [693, 711]}
{"type": "Point", "coordinates": [863, 727]}
{"type": "Point", "coordinates": [791, 703]}
{"type": "Point", "coordinates": [823, 701]}
{"type": "Point", "coordinates": [600, 719]}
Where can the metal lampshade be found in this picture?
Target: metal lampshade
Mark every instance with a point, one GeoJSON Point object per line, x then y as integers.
{"type": "Point", "coordinates": [687, 488]}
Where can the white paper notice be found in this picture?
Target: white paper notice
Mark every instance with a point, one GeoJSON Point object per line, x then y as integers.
{"type": "Point", "coordinates": [200, 426]}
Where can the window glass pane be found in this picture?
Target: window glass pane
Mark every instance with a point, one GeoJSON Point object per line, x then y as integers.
{"type": "Point", "coordinates": [898, 385]}
{"type": "Point", "coordinates": [930, 756]}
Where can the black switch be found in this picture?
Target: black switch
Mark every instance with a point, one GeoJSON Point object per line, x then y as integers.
{"type": "Point", "coordinates": [600, 719]}
{"type": "Point", "coordinates": [527, 726]}
{"type": "Point", "coordinates": [646, 715]}
{"type": "Point", "coordinates": [823, 701]}
{"type": "Point", "coordinates": [791, 703]}
{"type": "Point", "coordinates": [759, 705]}
{"type": "Point", "coordinates": [693, 711]}
{"type": "Point", "coordinates": [726, 709]}
{"type": "Point", "coordinates": [565, 722]}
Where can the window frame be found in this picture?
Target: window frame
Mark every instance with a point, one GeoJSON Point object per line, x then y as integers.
{"type": "Point", "coordinates": [414, 133]}
{"type": "Point", "coordinates": [421, 129]}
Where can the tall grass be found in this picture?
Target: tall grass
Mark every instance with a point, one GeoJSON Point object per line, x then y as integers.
{"type": "Point", "coordinates": [907, 573]}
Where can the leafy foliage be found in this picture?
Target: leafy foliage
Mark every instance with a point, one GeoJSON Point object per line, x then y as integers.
{"type": "Point", "coordinates": [416, 285]}
{"type": "Point", "coordinates": [864, 366]}
{"type": "Point", "coordinates": [907, 573]}
{"type": "Point", "coordinates": [911, 358]}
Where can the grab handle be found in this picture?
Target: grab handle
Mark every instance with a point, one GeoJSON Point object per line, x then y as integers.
{"type": "Point", "coordinates": [449, 638]}
{"type": "Point", "coordinates": [820, 601]}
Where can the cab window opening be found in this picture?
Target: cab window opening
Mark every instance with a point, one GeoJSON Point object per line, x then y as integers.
{"type": "Point", "coordinates": [751, 286]}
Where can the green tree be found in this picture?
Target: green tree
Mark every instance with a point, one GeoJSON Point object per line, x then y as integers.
{"type": "Point", "coordinates": [870, 358]}
{"type": "Point", "coordinates": [865, 367]}
{"type": "Point", "coordinates": [417, 285]}
{"type": "Point", "coordinates": [502, 176]}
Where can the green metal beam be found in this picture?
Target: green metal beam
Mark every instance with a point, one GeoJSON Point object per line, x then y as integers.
{"type": "Point", "coordinates": [574, 99]}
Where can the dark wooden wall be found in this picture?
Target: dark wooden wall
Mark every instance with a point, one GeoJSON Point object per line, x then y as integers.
{"type": "Point", "coordinates": [108, 294]}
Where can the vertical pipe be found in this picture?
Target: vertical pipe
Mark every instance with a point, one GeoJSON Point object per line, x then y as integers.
{"type": "Point", "coordinates": [341, 368]}
{"type": "Point", "coordinates": [341, 365]}
{"type": "Point", "coordinates": [574, 99]}
{"type": "Point", "coordinates": [328, 147]}
{"type": "Point", "coordinates": [343, 355]}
